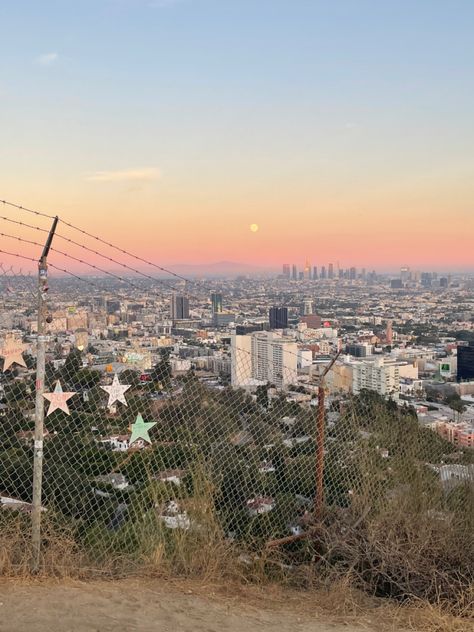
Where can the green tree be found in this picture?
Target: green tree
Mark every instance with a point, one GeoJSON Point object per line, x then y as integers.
{"type": "Point", "coordinates": [72, 365]}
{"type": "Point", "coordinates": [161, 373]}
{"type": "Point", "coordinates": [262, 395]}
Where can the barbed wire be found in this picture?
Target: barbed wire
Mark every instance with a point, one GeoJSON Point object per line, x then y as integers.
{"type": "Point", "coordinates": [82, 261]}
{"type": "Point", "coordinates": [182, 291]}
{"type": "Point", "coordinates": [104, 242]}
{"type": "Point", "coordinates": [27, 282]}
{"type": "Point", "coordinates": [58, 235]}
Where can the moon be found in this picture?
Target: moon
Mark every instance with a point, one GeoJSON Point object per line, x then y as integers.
{"type": "Point", "coordinates": [254, 228]}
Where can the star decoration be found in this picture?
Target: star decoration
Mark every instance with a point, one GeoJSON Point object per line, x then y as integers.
{"type": "Point", "coordinates": [116, 391]}
{"type": "Point", "coordinates": [58, 399]}
{"type": "Point", "coordinates": [140, 430]}
{"type": "Point", "coordinates": [12, 353]}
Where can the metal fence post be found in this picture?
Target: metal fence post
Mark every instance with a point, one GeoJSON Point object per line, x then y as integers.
{"type": "Point", "coordinates": [320, 423]}
{"type": "Point", "coordinates": [39, 404]}
{"type": "Point", "coordinates": [320, 429]}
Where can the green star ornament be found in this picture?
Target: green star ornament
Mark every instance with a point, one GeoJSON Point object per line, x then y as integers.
{"type": "Point", "coordinates": [140, 430]}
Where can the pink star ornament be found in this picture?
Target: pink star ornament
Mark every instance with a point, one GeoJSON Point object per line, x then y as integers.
{"type": "Point", "coordinates": [12, 351]}
{"type": "Point", "coordinates": [58, 399]}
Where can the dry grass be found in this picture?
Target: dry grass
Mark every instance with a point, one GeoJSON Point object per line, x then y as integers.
{"type": "Point", "coordinates": [60, 554]}
{"type": "Point", "coordinates": [340, 603]}
{"type": "Point", "coordinates": [209, 567]}
{"type": "Point", "coordinates": [417, 559]}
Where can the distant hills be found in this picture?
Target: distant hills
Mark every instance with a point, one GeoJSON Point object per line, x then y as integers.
{"type": "Point", "coordinates": [221, 269]}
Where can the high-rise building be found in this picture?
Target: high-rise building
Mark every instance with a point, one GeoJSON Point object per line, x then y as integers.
{"type": "Point", "coordinates": [382, 377]}
{"type": "Point", "coordinates": [389, 333]}
{"type": "Point", "coordinates": [315, 273]}
{"type": "Point", "coordinates": [426, 279]}
{"type": "Point", "coordinates": [286, 271]}
{"type": "Point", "coordinates": [179, 307]}
{"type": "Point", "coordinates": [294, 273]}
{"type": "Point", "coordinates": [331, 271]}
{"type": "Point", "coordinates": [353, 274]}
{"type": "Point", "coordinates": [216, 299]}
{"type": "Point", "coordinates": [323, 272]}
{"type": "Point", "coordinates": [307, 307]}
{"type": "Point", "coordinates": [404, 274]}
{"type": "Point", "coordinates": [307, 270]}
{"type": "Point", "coordinates": [360, 350]}
{"type": "Point", "coordinates": [278, 317]}
{"type": "Point", "coordinates": [466, 362]}
{"type": "Point", "coordinates": [263, 357]}
{"type": "Point", "coordinates": [112, 306]}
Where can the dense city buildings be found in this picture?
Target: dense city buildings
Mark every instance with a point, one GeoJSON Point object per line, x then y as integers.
{"type": "Point", "coordinates": [408, 337]}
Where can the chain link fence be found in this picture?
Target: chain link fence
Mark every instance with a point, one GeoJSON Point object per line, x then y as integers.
{"type": "Point", "coordinates": [157, 465]}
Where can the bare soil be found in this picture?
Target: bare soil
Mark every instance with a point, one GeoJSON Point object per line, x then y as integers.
{"type": "Point", "coordinates": [159, 606]}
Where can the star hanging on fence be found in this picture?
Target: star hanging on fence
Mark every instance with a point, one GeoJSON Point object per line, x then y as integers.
{"type": "Point", "coordinates": [116, 391]}
{"type": "Point", "coordinates": [12, 351]}
{"type": "Point", "coordinates": [140, 430]}
{"type": "Point", "coordinates": [58, 399]}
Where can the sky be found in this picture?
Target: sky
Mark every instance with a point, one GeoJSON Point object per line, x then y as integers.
{"type": "Point", "coordinates": [343, 130]}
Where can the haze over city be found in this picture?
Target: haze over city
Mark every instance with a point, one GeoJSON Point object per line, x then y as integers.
{"type": "Point", "coordinates": [341, 131]}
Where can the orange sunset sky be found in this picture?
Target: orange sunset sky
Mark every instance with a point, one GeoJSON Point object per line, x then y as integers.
{"type": "Point", "coordinates": [343, 130]}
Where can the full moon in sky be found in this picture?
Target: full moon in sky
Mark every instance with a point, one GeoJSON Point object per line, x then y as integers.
{"type": "Point", "coordinates": [254, 228]}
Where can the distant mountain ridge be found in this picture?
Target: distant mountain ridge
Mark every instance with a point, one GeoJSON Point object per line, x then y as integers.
{"type": "Point", "coordinates": [220, 269]}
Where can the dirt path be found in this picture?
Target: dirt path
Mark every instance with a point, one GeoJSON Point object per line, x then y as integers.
{"type": "Point", "coordinates": [137, 606]}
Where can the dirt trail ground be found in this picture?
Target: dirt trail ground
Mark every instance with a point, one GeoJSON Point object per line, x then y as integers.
{"type": "Point", "coordinates": [138, 606]}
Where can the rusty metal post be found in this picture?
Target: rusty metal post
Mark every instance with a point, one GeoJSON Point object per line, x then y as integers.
{"type": "Point", "coordinates": [320, 427]}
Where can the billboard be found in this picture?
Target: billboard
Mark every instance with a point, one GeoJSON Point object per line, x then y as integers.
{"type": "Point", "coordinates": [445, 368]}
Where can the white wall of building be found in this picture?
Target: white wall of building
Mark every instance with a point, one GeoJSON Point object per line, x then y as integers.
{"type": "Point", "coordinates": [263, 357]}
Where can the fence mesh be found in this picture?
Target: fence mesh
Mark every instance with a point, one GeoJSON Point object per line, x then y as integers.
{"type": "Point", "coordinates": [153, 461]}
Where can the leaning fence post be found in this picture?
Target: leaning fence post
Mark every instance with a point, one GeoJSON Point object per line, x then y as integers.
{"type": "Point", "coordinates": [39, 405]}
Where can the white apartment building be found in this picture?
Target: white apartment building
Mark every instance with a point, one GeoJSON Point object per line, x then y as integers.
{"type": "Point", "coordinates": [377, 375]}
{"type": "Point", "coordinates": [261, 357]}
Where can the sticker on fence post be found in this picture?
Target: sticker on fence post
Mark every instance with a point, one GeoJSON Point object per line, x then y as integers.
{"type": "Point", "coordinates": [39, 448]}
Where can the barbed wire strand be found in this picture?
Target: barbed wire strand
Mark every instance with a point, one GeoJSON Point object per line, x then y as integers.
{"type": "Point", "coordinates": [98, 253]}
{"type": "Point", "coordinates": [103, 241]}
